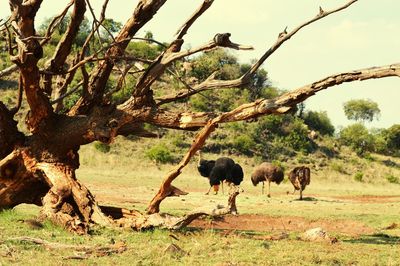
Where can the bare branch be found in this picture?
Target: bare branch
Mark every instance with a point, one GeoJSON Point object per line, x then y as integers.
{"type": "Point", "coordinates": [173, 53]}
{"type": "Point", "coordinates": [29, 53]}
{"type": "Point", "coordinates": [211, 83]}
{"type": "Point", "coordinates": [120, 82]}
{"type": "Point", "coordinates": [65, 45]}
{"type": "Point", "coordinates": [149, 40]}
{"type": "Point", "coordinates": [144, 12]}
{"type": "Point", "coordinates": [98, 23]}
{"type": "Point", "coordinates": [284, 36]}
{"type": "Point", "coordinates": [55, 22]}
{"type": "Point", "coordinates": [200, 139]}
{"type": "Point", "coordinates": [67, 94]}
{"type": "Point", "coordinates": [8, 70]}
{"type": "Point", "coordinates": [184, 28]}
{"type": "Point", "coordinates": [158, 67]}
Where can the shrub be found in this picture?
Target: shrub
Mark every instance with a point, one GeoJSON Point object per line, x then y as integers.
{"type": "Point", "coordinates": [319, 121]}
{"type": "Point", "coordinates": [160, 153]}
{"type": "Point", "coordinates": [358, 138]}
{"type": "Point", "coordinates": [392, 179]}
{"type": "Point", "coordinates": [178, 140]}
{"type": "Point", "coordinates": [358, 176]}
{"type": "Point", "coordinates": [338, 167]}
{"type": "Point", "coordinates": [243, 144]}
{"type": "Point", "coordinates": [393, 139]}
{"type": "Point", "coordinates": [102, 147]}
{"type": "Point", "coordinates": [369, 157]}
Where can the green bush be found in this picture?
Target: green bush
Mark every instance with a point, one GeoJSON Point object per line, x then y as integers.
{"type": "Point", "coordinates": [102, 147]}
{"type": "Point", "coordinates": [392, 179]}
{"type": "Point", "coordinates": [358, 176]}
{"type": "Point", "coordinates": [319, 121]}
{"type": "Point", "coordinates": [358, 138]}
{"type": "Point", "coordinates": [160, 153]}
{"type": "Point", "coordinates": [393, 139]}
{"type": "Point", "coordinates": [369, 157]}
{"type": "Point", "coordinates": [244, 144]}
{"type": "Point", "coordinates": [297, 137]}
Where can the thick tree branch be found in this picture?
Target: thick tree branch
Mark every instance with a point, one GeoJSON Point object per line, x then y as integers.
{"type": "Point", "coordinates": [173, 53]}
{"type": "Point", "coordinates": [63, 49]}
{"type": "Point", "coordinates": [185, 27]}
{"type": "Point", "coordinates": [29, 53]}
{"type": "Point", "coordinates": [157, 68]}
{"type": "Point", "coordinates": [200, 139]}
{"type": "Point", "coordinates": [281, 104]}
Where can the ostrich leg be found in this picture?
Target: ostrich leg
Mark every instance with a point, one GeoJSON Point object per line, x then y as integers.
{"type": "Point", "coordinates": [262, 189]}
{"type": "Point", "coordinates": [269, 189]}
{"type": "Point", "coordinates": [301, 193]}
{"type": "Point", "coordinates": [208, 190]}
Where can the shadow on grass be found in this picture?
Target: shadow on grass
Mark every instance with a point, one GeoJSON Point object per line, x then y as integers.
{"type": "Point", "coordinates": [391, 163]}
{"type": "Point", "coordinates": [375, 239]}
{"type": "Point", "coordinates": [306, 199]}
{"type": "Point", "coordinates": [7, 84]}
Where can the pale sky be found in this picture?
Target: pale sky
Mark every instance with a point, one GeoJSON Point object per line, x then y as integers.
{"type": "Point", "coordinates": [364, 35]}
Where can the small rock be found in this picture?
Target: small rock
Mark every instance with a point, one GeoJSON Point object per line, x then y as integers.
{"type": "Point", "coordinates": [316, 234]}
{"type": "Point", "coordinates": [392, 226]}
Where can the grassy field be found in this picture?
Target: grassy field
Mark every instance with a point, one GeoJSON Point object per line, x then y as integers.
{"type": "Point", "coordinates": [363, 216]}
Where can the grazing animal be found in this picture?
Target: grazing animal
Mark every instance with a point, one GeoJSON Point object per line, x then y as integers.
{"type": "Point", "coordinates": [220, 170]}
{"type": "Point", "coordinates": [267, 172]}
{"type": "Point", "coordinates": [236, 176]}
{"type": "Point", "coordinates": [300, 178]}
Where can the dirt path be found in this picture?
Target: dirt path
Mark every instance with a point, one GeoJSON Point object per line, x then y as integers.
{"type": "Point", "coordinates": [256, 222]}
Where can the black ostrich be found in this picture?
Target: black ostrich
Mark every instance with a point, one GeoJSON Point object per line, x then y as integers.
{"type": "Point", "coordinates": [220, 170]}
{"type": "Point", "coordinates": [267, 172]}
{"type": "Point", "coordinates": [300, 178]}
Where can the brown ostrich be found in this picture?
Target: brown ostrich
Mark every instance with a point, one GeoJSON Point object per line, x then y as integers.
{"type": "Point", "coordinates": [267, 172]}
{"type": "Point", "coordinates": [300, 178]}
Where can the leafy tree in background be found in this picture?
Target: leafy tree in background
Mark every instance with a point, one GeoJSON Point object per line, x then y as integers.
{"type": "Point", "coordinates": [361, 110]}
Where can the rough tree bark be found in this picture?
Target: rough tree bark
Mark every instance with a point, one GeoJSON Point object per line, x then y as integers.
{"type": "Point", "coordinates": [39, 167]}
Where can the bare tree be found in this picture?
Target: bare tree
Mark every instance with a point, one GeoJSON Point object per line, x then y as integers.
{"type": "Point", "coordinates": [39, 167]}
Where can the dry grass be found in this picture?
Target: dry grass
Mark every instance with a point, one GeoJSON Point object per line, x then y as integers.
{"type": "Point", "coordinates": [124, 178]}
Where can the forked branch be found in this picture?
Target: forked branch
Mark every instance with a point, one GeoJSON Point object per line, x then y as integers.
{"type": "Point", "coordinates": [211, 83]}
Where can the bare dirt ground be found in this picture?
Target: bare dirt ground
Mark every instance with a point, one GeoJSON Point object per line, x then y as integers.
{"type": "Point", "coordinates": [263, 223]}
